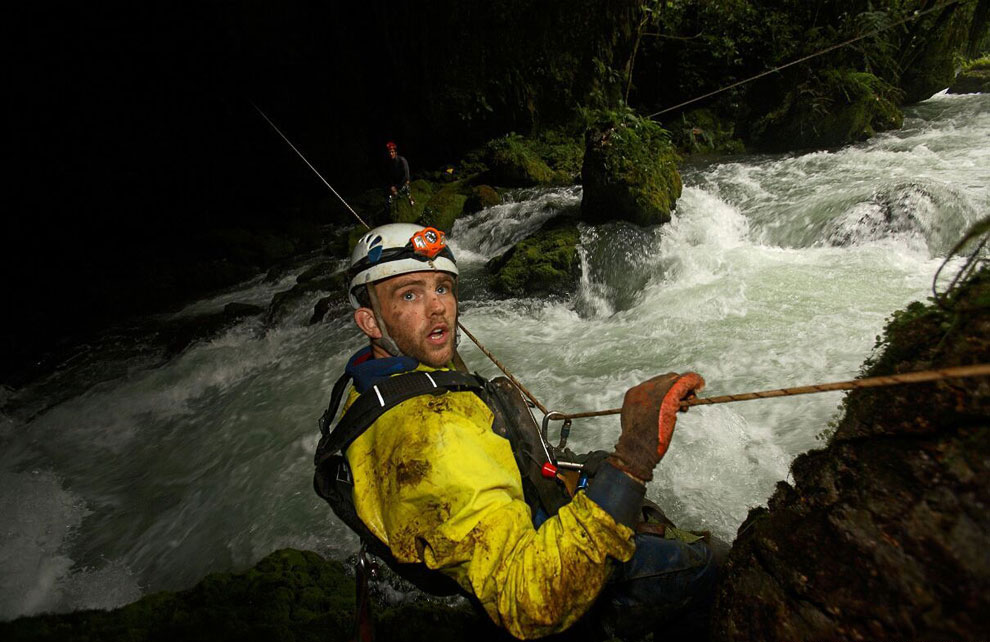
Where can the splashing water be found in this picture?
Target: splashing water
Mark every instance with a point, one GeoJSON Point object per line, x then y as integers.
{"type": "Point", "coordinates": [774, 271]}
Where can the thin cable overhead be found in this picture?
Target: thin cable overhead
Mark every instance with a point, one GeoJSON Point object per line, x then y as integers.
{"type": "Point", "coordinates": [914, 16]}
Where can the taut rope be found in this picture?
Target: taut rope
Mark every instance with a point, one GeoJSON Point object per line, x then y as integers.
{"type": "Point", "coordinates": [924, 376]}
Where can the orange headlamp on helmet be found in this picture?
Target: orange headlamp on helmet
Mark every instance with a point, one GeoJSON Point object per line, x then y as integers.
{"type": "Point", "coordinates": [429, 242]}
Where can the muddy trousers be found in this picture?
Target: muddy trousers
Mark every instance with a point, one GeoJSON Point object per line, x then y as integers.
{"type": "Point", "coordinates": [667, 583]}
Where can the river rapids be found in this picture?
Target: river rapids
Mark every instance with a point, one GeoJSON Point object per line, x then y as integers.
{"type": "Point", "coordinates": [125, 473]}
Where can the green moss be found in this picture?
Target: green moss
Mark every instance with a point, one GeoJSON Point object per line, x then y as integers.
{"type": "Point", "coordinates": [834, 108]}
{"type": "Point", "coordinates": [289, 595]}
{"type": "Point", "coordinates": [977, 64]}
{"type": "Point", "coordinates": [481, 196]}
{"type": "Point", "coordinates": [919, 331]}
{"type": "Point", "coordinates": [552, 157]}
{"type": "Point", "coordinates": [444, 207]}
{"type": "Point", "coordinates": [630, 171]}
{"type": "Point", "coordinates": [543, 264]}
{"type": "Point", "coordinates": [353, 235]}
{"type": "Point", "coordinates": [974, 78]}
{"type": "Point", "coordinates": [702, 132]}
{"type": "Point", "coordinates": [562, 152]}
{"type": "Point", "coordinates": [514, 163]}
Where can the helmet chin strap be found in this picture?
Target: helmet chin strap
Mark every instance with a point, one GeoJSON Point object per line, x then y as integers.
{"type": "Point", "coordinates": [385, 342]}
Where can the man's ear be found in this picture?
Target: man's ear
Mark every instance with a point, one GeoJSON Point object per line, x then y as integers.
{"type": "Point", "coordinates": [366, 321]}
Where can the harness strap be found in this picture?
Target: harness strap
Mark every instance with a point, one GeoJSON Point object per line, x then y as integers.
{"type": "Point", "coordinates": [384, 396]}
{"type": "Point", "coordinates": [364, 571]}
{"type": "Point", "coordinates": [338, 393]}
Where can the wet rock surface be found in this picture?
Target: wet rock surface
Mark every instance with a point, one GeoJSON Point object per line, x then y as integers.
{"type": "Point", "coordinates": [546, 263]}
{"type": "Point", "coordinates": [883, 534]}
{"type": "Point", "coordinates": [181, 335]}
{"type": "Point", "coordinates": [833, 108]}
{"type": "Point", "coordinates": [629, 172]}
{"type": "Point", "coordinates": [289, 595]}
{"type": "Point", "coordinates": [481, 197]}
{"type": "Point", "coordinates": [973, 80]}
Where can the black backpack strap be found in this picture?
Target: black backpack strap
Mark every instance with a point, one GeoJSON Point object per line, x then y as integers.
{"type": "Point", "coordinates": [387, 394]}
{"type": "Point", "coordinates": [326, 419]}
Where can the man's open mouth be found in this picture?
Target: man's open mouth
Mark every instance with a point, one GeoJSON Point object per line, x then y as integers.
{"type": "Point", "coordinates": [438, 334]}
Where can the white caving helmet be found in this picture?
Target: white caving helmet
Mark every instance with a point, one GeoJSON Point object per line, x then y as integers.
{"type": "Point", "coordinates": [391, 250]}
{"type": "Point", "coordinates": [398, 248]}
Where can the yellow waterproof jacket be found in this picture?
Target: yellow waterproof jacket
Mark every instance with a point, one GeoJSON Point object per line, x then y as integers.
{"type": "Point", "coordinates": [438, 486]}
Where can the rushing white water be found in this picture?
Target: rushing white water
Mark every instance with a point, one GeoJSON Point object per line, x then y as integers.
{"type": "Point", "coordinates": [774, 271]}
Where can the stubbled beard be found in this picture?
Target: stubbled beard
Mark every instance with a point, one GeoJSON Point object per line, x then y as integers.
{"type": "Point", "coordinates": [411, 348]}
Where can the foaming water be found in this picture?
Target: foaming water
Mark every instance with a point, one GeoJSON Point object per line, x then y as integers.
{"type": "Point", "coordinates": [774, 271]}
{"type": "Point", "coordinates": [927, 180]}
{"type": "Point", "coordinates": [502, 226]}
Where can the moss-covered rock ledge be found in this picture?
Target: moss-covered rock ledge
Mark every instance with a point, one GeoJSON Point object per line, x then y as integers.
{"type": "Point", "coordinates": [544, 264]}
{"type": "Point", "coordinates": [291, 596]}
{"type": "Point", "coordinates": [629, 172]}
{"type": "Point", "coordinates": [883, 535]}
{"type": "Point", "coordinates": [973, 78]}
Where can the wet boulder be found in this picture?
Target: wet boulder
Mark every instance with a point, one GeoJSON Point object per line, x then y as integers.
{"type": "Point", "coordinates": [181, 334]}
{"type": "Point", "coordinates": [832, 108]}
{"type": "Point", "coordinates": [285, 304]}
{"type": "Point", "coordinates": [882, 534]}
{"type": "Point", "coordinates": [546, 263]}
{"type": "Point", "coordinates": [480, 197]}
{"type": "Point", "coordinates": [629, 172]}
{"type": "Point", "coordinates": [444, 207]}
{"type": "Point", "coordinates": [973, 79]}
{"type": "Point", "coordinates": [288, 595]}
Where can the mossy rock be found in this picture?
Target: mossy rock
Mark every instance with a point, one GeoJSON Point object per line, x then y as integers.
{"type": "Point", "coordinates": [701, 131]}
{"type": "Point", "coordinates": [630, 172]}
{"type": "Point", "coordinates": [834, 108]}
{"type": "Point", "coordinates": [444, 207]}
{"type": "Point", "coordinates": [481, 196]}
{"type": "Point", "coordinates": [513, 163]}
{"type": "Point", "coordinates": [881, 535]}
{"type": "Point", "coordinates": [546, 263]}
{"type": "Point", "coordinates": [974, 78]}
{"type": "Point", "coordinates": [562, 152]}
{"type": "Point", "coordinates": [353, 235]}
{"type": "Point", "coordinates": [289, 595]}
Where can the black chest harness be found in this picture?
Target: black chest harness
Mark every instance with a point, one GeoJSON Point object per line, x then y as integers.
{"type": "Point", "coordinates": [512, 420]}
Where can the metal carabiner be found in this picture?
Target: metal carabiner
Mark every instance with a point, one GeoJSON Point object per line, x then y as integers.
{"type": "Point", "coordinates": [565, 429]}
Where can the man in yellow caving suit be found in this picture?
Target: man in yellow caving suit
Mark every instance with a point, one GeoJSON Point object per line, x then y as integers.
{"type": "Point", "coordinates": [439, 487]}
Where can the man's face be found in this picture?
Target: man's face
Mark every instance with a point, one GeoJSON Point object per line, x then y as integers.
{"type": "Point", "coordinates": [392, 153]}
{"type": "Point", "coordinates": [420, 311]}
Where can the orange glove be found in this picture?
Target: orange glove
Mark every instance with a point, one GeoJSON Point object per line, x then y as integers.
{"type": "Point", "coordinates": [649, 412]}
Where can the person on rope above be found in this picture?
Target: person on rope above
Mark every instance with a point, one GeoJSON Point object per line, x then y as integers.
{"type": "Point", "coordinates": [397, 172]}
{"type": "Point", "coordinates": [445, 475]}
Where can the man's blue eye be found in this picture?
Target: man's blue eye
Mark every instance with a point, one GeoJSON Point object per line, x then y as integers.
{"type": "Point", "coordinates": [442, 289]}
{"type": "Point", "coordinates": [408, 296]}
